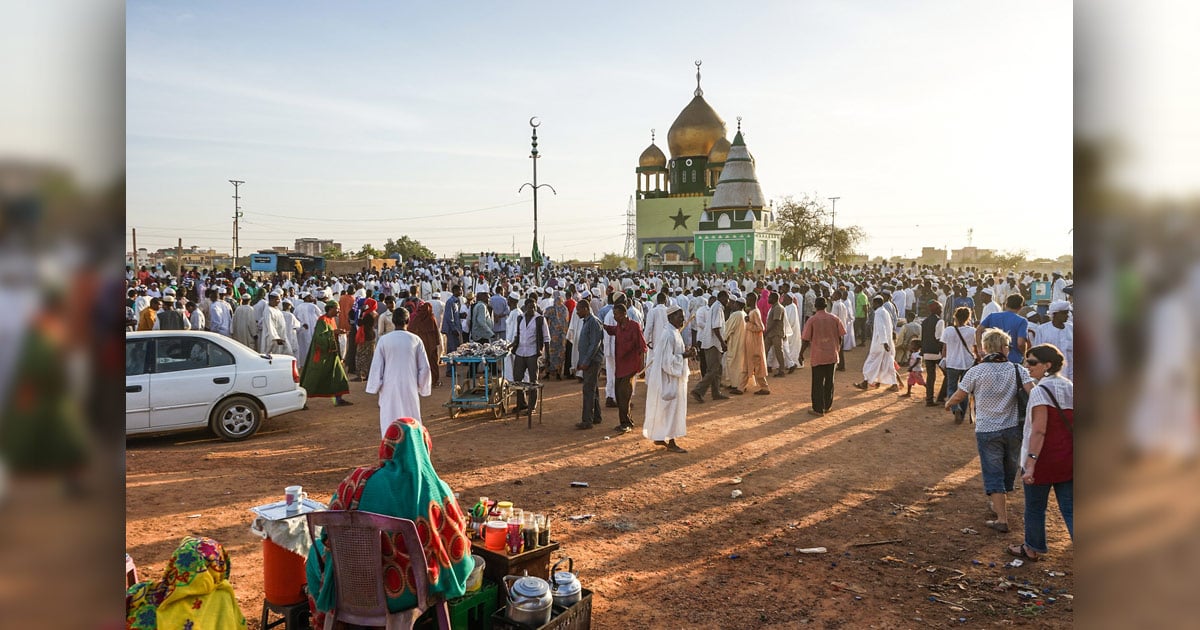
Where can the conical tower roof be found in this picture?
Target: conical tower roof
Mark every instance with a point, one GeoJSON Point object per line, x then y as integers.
{"type": "Point", "coordinates": [738, 186]}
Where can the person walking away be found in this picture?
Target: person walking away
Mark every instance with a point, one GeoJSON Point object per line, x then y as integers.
{"type": "Point", "coordinates": [961, 352]}
{"type": "Point", "coordinates": [591, 356]}
{"type": "Point", "coordinates": [994, 384]}
{"type": "Point", "coordinates": [1047, 449]}
{"type": "Point", "coordinates": [364, 339]}
{"type": "Point", "coordinates": [915, 368]}
{"type": "Point", "coordinates": [307, 315]}
{"type": "Point", "coordinates": [400, 372]}
{"type": "Point", "coordinates": [754, 353]}
{"type": "Point", "coordinates": [733, 364]}
{"type": "Point", "coordinates": [324, 374]}
{"type": "Point", "coordinates": [879, 367]}
{"type": "Point", "coordinates": [824, 333]}
{"type": "Point", "coordinates": [531, 339]}
{"type": "Point", "coordinates": [931, 350]}
{"type": "Point", "coordinates": [666, 385]}
{"type": "Point", "coordinates": [1011, 322]}
{"type": "Point", "coordinates": [423, 324]}
{"type": "Point", "coordinates": [776, 332]}
{"type": "Point", "coordinates": [714, 348]}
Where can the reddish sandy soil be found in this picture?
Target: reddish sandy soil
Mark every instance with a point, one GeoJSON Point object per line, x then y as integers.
{"type": "Point", "coordinates": [667, 544]}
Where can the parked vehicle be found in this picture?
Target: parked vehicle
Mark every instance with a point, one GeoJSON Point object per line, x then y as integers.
{"type": "Point", "coordinates": [179, 380]}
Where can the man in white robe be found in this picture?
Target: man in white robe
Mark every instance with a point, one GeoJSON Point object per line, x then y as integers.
{"type": "Point", "coordinates": [220, 315]}
{"type": "Point", "coordinates": [656, 320]}
{"type": "Point", "coordinates": [244, 327]}
{"type": "Point", "coordinates": [272, 328]}
{"type": "Point", "coordinates": [666, 385]}
{"type": "Point", "coordinates": [290, 327]}
{"type": "Point", "coordinates": [880, 366]}
{"type": "Point", "coordinates": [307, 315]}
{"type": "Point", "coordinates": [400, 373]}
{"type": "Point", "coordinates": [791, 313]}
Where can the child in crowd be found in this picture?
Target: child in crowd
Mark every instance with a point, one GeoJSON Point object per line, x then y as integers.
{"type": "Point", "coordinates": [915, 369]}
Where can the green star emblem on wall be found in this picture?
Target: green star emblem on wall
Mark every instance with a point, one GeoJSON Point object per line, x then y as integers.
{"type": "Point", "coordinates": [680, 219]}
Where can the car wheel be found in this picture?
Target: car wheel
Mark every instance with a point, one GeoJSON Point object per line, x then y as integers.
{"type": "Point", "coordinates": [236, 418]}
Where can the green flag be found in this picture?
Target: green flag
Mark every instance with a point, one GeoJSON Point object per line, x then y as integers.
{"type": "Point", "coordinates": [536, 257]}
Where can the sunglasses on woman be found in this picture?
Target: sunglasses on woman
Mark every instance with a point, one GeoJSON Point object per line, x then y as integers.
{"type": "Point", "coordinates": [1031, 362]}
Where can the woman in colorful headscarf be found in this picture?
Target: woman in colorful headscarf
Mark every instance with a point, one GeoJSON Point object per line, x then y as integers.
{"type": "Point", "coordinates": [425, 326]}
{"type": "Point", "coordinates": [402, 484]}
{"type": "Point", "coordinates": [194, 593]}
{"type": "Point", "coordinates": [557, 319]}
{"type": "Point", "coordinates": [364, 338]}
{"type": "Point", "coordinates": [324, 375]}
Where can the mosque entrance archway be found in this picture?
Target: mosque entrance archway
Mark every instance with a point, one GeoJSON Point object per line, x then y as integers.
{"type": "Point", "coordinates": [724, 253]}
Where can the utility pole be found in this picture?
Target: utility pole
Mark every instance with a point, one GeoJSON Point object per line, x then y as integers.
{"type": "Point", "coordinates": [533, 155]}
{"type": "Point", "coordinates": [832, 224]}
{"type": "Point", "coordinates": [135, 260]}
{"type": "Point", "coordinates": [237, 214]}
{"type": "Point", "coordinates": [179, 258]}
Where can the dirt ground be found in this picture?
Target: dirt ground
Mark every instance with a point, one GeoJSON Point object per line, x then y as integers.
{"type": "Point", "coordinates": [667, 544]}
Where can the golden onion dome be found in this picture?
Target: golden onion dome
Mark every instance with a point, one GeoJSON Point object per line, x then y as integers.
{"type": "Point", "coordinates": [719, 152]}
{"type": "Point", "coordinates": [652, 156]}
{"type": "Point", "coordinates": [695, 130]}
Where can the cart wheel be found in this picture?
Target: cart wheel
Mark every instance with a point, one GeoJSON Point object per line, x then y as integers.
{"type": "Point", "coordinates": [455, 412]}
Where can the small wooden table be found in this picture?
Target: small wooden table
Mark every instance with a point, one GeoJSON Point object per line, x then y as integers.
{"type": "Point", "coordinates": [499, 564]}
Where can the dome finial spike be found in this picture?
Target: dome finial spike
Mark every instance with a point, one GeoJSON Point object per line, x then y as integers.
{"type": "Point", "coordinates": [739, 124]}
{"type": "Point", "coordinates": [698, 92]}
{"type": "Point", "coordinates": [651, 136]}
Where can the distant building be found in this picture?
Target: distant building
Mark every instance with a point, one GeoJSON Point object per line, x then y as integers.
{"type": "Point", "coordinates": [970, 255]}
{"type": "Point", "coordinates": [932, 256]}
{"type": "Point", "coordinates": [314, 246]}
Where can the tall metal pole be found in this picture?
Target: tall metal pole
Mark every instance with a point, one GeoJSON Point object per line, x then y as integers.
{"type": "Point", "coordinates": [237, 214]}
{"type": "Point", "coordinates": [832, 225]}
{"type": "Point", "coordinates": [135, 258]}
{"type": "Point", "coordinates": [533, 155]}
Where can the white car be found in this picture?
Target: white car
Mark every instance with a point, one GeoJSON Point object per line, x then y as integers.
{"type": "Point", "coordinates": [179, 380]}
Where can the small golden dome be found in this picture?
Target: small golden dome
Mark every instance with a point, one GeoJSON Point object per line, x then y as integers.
{"type": "Point", "coordinates": [695, 130]}
{"type": "Point", "coordinates": [719, 151]}
{"type": "Point", "coordinates": [652, 156]}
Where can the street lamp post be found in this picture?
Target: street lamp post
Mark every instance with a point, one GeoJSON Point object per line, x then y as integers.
{"type": "Point", "coordinates": [832, 226]}
{"type": "Point", "coordinates": [533, 155]}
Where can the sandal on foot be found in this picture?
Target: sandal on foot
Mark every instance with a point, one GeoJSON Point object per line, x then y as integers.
{"type": "Point", "coordinates": [998, 526]}
{"type": "Point", "coordinates": [1022, 552]}
{"type": "Point", "coordinates": [660, 442]}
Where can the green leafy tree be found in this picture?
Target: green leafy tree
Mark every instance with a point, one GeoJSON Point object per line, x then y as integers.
{"type": "Point", "coordinates": [407, 247]}
{"type": "Point", "coordinates": [370, 252]}
{"type": "Point", "coordinates": [614, 261]}
{"type": "Point", "coordinates": [1009, 259]}
{"type": "Point", "coordinates": [332, 253]}
{"type": "Point", "coordinates": [804, 223]}
{"type": "Point", "coordinates": [839, 247]}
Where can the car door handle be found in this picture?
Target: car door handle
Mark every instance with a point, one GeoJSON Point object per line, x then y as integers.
{"type": "Point", "coordinates": [130, 389]}
{"type": "Point", "coordinates": [221, 380]}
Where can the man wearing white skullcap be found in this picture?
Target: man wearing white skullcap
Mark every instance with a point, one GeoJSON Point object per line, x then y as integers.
{"type": "Point", "coordinates": [1060, 332]}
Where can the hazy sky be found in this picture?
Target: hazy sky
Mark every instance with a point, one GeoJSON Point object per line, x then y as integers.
{"type": "Point", "coordinates": [360, 123]}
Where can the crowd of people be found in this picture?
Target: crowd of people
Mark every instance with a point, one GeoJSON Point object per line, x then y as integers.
{"type": "Point", "coordinates": [1003, 341]}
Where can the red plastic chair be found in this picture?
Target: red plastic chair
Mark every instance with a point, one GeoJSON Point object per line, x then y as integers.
{"type": "Point", "coordinates": [354, 546]}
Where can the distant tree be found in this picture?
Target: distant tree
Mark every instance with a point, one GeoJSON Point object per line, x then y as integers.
{"type": "Point", "coordinates": [407, 247]}
{"type": "Point", "coordinates": [369, 252]}
{"type": "Point", "coordinates": [840, 247]}
{"type": "Point", "coordinates": [172, 266]}
{"type": "Point", "coordinates": [1009, 259]}
{"type": "Point", "coordinates": [804, 223]}
{"type": "Point", "coordinates": [617, 261]}
{"type": "Point", "coordinates": [332, 253]}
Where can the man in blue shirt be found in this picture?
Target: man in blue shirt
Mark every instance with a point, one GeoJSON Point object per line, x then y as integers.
{"type": "Point", "coordinates": [1012, 323]}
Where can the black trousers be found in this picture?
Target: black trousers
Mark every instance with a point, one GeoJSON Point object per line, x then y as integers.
{"type": "Point", "coordinates": [624, 390]}
{"type": "Point", "coordinates": [822, 387]}
{"type": "Point", "coordinates": [931, 377]}
{"type": "Point", "coordinates": [523, 366]}
{"type": "Point", "coordinates": [568, 369]}
{"type": "Point", "coordinates": [591, 391]}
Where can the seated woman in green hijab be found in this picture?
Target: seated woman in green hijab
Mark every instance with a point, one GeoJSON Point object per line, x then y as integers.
{"type": "Point", "coordinates": [402, 484]}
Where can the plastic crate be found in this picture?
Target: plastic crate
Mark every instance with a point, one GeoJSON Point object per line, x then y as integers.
{"type": "Point", "coordinates": [469, 612]}
{"type": "Point", "coordinates": [577, 617]}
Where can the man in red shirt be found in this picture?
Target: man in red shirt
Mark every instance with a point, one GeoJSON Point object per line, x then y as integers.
{"type": "Point", "coordinates": [629, 348]}
{"type": "Point", "coordinates": [823, 333]}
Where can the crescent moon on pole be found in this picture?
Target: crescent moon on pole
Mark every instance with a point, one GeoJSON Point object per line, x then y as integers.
{"type": "Point", "coordinates": [534, 124]}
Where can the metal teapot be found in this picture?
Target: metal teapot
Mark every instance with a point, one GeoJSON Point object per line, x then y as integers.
{"type": "Point", "coordinates": [565, 586]}
{"type": "Point", "coordinates": [529, 600]}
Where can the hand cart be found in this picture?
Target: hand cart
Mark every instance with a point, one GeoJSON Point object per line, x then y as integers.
{"type": "Point", "coordinates": [478, 383]}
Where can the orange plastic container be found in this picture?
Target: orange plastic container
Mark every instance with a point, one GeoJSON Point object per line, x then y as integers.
{"type": "Point", "coordinates": [494, 534]}
{"type": "Point", "coordinates": [283, 575]}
